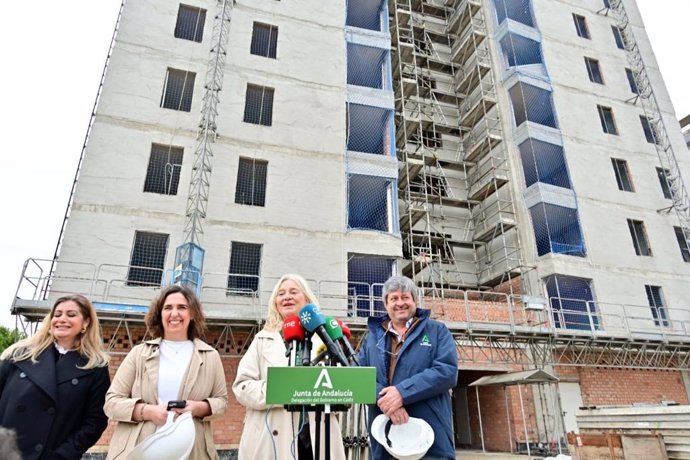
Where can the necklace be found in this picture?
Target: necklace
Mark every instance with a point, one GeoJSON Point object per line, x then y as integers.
{"type": "Point", "coordinates": [174, 346]}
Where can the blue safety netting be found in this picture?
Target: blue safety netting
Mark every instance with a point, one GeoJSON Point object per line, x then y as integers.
{"type": "Point", "coordinates": [557, 230]}
{"type": "Point", "coordinates": [520, 51]}
{"type": "Point", "coordinates": [367, 65]}
{"type": "Point", "coordinates": [368, 129]}
{"type": "Point", "coordinates": [572, 303]}
{"type": "Point", "coordinates": [544, 162]}
{"type": "Point", "coordinates": [533, 104]}
{"type": "Point", "coordinates": [366, 14]}
{"type": "Point", "coordinates": [369, 204]}
{"type": "Point", "coordinates": [366, 275]}
{"type": "Point", "coordinates": [517, 10]}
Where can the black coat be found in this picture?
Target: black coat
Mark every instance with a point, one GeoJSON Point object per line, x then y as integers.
{"type": "Point", "coordinates": [55, 408]}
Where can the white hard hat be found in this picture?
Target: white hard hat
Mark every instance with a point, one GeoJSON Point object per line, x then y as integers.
{"type": "Point", "coordinates": [172, 441]}
{"type": "Point", "coordinates": [409, 441]}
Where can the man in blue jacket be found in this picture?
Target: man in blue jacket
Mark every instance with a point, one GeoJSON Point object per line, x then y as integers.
{"type": "Point", "coordinates": [416, 367]}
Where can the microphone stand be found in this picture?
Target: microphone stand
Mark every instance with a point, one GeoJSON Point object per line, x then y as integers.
{"type": "Point", "coordinates": [317, 430]}
{"type": "Point", "coordinates": [320, 410]}
{"type": "Point", "coordinates": [292, 360]}
{"type": "Point", "coordinates": [327, 428]}
{"type": "Point", "coordinates": [306, 352]}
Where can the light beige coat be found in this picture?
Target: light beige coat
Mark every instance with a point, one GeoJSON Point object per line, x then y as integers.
{"type": "Point", "coordinates": [136, 381]}
{"type": "Point", "coordinates": [269, 431]}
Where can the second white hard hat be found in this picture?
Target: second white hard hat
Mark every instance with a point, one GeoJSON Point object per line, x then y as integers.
{"type": "Point", "coordinates": [408, 441]}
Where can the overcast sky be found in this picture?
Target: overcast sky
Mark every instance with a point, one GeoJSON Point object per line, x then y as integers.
{"type": "Point", "coordinates": [53, 55]}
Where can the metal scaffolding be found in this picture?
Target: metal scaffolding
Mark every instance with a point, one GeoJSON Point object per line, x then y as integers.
{"type": "Point", "coordinates": [457, 216]}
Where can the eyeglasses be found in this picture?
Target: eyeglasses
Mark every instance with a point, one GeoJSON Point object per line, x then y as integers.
{"type": "Point", "coordinates": [381, 346]}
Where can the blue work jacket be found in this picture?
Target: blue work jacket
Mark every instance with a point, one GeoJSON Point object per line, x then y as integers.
{"type": "Point", "coordinates": [425, 373]}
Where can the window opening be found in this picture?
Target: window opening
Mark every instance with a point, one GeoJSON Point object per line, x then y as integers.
{"type": "Point", "coordinates": [251, 182]}
{"type": "Point", "coordinates": [572, 302]}
{"type": "Point", "coordinates": [594, 71]}
{"type": "Point", "coordinates": [631, 81]}
{"type": "Point", "coordinates": [243, 273]}
{"type": "Point", "coordinates": [656, 303]}
{"type": "Point", "coordinates": [648, 129]}
{"type": "Point", "coordinates": [682, 243]}
{"type": "Point", "coordinates": [620, 167]}
{"type": "Point", "coordinates": [178, 89]}
{"type": "Point", "coordinates": [581, 26]}
{"type": "Point", "coordinates": [664, 176]}
{"type": "Point", "coordinates": [163, 172]}
{"type": "Point", "coordinates": [618, 37]}
{"type": "Point", "coordinates": [190, 23]}
{"type": "Point", "coordinates": [258, 107]}
{"type": "Point", "coordinates": [608, 124]}
{"type": "Point", "coordinates": [264, 40]}
{"type": "Point", "coordinates": [639, 237]}
{"type": "Point", "coordinates": [147, 259]}
{"type": "Point", "coordinates": [365, 277]}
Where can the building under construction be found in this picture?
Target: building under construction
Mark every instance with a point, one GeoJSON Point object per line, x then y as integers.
{"type": "Point", "coordinates": [519, 159]}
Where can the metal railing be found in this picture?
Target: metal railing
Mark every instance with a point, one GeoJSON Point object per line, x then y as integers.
{"type": "Point", "coordinates": [469, 310]}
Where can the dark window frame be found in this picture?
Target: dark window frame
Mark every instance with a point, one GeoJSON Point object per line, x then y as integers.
{"type": "Point", "coordinates": [618, 37]}
{"type": "Point", "coordinates": [608, 120]}
{"type": "Point", "coordinates": [147, 259]}
{"type": "Point", "coordinates": [622, 173]}
{"type": "Point", "coordinates": [243, 275]}
{"type": "Point", "coordinates": [638, 233]}
{"type": "Point", "coordinates": [250, 188]}
{"type": "Point", "coordinates": [631, 81]}
{"type": "Point", "coordinates": [190, 23]}
{"type": "Point", "coordinates": [163, 170]}
{"type": "Point", "coordinates": [594, 70]}
{"type": "Point", "coordinates": [178, 90]}
{"type": "Point", "coordinates": [655, 299]}
{"type": "Point", "coordinates": [683, 244]}
{"type": "Point", "coordinates": [581, 26]}
{"type": "Point", "coordinates": [258, 105]}
{"type": "Point", "coordinates": [663, 175]}
{"type": "Point", "coordinates": [264, 40]}
{"type": "Point", "coordinates": [649, 130]}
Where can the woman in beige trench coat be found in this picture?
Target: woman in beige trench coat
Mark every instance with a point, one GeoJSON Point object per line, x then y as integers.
{"type": "Point", "coordinates": [175, 365]}
{"type": "Point", "coordinates": [271, 432]}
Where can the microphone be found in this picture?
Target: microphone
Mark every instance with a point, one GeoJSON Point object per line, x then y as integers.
{"type": "Point", "coordinates": [321, 353]}
{"type": "Point", "coordinates": [313, 322]}
{"type": "Point", "coordinates": [293, 334]}
{"type": "Point", "coordinates": [306, 349]}
{"type": "Point", "coordinates": [345, 342]}
{"type": "Point", "coordinates": [334, 331]}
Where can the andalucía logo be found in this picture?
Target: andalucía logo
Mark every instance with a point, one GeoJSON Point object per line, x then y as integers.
{"type": "Point", "coordinates": [305, 317]}
{"type": "Point", "coordinates": [425, 341]}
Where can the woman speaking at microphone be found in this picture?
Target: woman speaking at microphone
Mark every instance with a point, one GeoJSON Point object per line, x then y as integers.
{"type": "Point", "coordinates": [271, 432]}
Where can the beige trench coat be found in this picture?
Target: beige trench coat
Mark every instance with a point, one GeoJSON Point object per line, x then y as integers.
{"type": "Point", "coordinates": [266, 426]}
{"type": "Point", "coordinates": [136, 380]}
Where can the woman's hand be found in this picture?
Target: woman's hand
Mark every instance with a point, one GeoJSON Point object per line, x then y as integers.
{"type": "Point", "coordinates": [157, 414]}
{"type": "Point", "coordinates": [199, 409]}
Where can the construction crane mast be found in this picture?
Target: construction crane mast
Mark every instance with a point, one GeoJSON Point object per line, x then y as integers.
{"type": "Point", "coordinates": [189, 257]}
{"type": "Point", "coordinates": [647, 98]}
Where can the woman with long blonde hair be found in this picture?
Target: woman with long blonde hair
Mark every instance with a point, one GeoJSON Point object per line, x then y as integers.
{"type": "Point", "coordinates": [53, 384]}
{"type": "Point", "coordinates": [270, 431]}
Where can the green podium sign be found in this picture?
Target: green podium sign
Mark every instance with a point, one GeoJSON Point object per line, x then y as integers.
{"type": "Point", "coordinates": [321, 385]}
